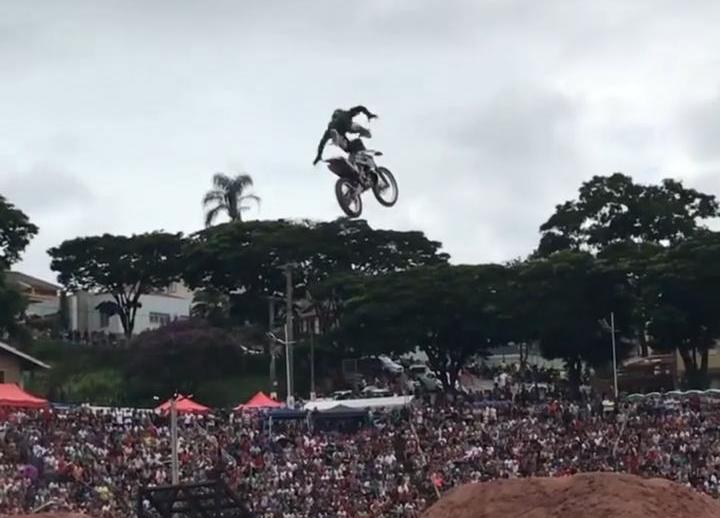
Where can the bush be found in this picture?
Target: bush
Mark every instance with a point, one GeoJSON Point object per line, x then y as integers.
{"type": "Point", "coordinates": [191, 357]}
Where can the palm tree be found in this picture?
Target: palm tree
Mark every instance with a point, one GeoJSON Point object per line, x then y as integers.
{"type": "Point", "coordinates": [228, 196]}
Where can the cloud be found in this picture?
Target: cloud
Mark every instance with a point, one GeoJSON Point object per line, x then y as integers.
{"type": "Point", "coordinates": [701, 123]}
{"type": "Point", "coordinates": [492, 112]}
{"type": "Point", "coordinates": [44, 189]}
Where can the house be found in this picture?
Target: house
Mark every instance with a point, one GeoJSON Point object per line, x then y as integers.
{"type": "Point", "coordinates": [14, 364]}
{"type": "Point", "coordinates": [42, 296]}
{"type": "Point", "coordinates": [713, 366]}
{"type": "Point", "coordinates": [156, 310]}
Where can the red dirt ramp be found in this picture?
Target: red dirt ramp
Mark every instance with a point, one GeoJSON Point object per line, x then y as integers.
{"type": "Point", "coordinates": [589, 495]}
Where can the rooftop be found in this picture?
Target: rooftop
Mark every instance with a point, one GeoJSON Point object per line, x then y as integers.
{"type": "Point", "coordinates": [26, 358]}
{"type": "Point", "coordinates": [30, 281]}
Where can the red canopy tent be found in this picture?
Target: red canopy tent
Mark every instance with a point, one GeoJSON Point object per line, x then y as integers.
{"type": "Point", "coordinates": [184, 405]}
{"type": "Point", "coordinates": [260, 400]}
{"type": "Point", "coordinates": [12, 395]}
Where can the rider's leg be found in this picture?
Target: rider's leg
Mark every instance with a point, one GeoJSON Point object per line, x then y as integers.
{"type": "Point", "coordinates": [354, 147]}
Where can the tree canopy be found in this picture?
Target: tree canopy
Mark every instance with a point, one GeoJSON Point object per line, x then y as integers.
{"type": "Point", "coordinates": [613, 209]}
{"type": "Point", "coordinates": [247, 259]}
{"type": "Point", "coordinates": [124, 267]}
{"type": "Point", "coordinates": [450, 312]}
{"type": "Point", "coordinates": [683, 301]}
{"type": "Point", "coordinates": [16, 232]}
{"type": "Point", "coordinates": [182, 356]}
{"type": "Point", "coordinates": [569, 299]}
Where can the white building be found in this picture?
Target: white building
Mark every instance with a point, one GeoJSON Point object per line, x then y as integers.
{"type": "Point", "coordinates": [42, 296]}
{"type": "Point", "coordinates": [156, 310]}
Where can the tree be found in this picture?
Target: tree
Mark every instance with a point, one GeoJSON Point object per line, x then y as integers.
{"type": "Point", "coordinates": [246, 260]}
{"type": "Point", "coordinates": [684, 303]}
{"type": "Point", "coordinates": [16, 231]}
{"type": "Point", "coordinates": [632, 261]}
{"type": "Point", "coordinates": [186, 357]}
{"type": "Point", "coordinates": [12, 308]}
{"type": "Point", "coordinates": [614, 209]}
{"type": "Point", "coordinates": [450, 312]}
{"type": "Point", "coordinates": [211, 305]}
{"type": "Point", "coordinates": [228, 196]}
{"type": "Point", "coordinates": [124, 267]}
{"type": "Point", "coordinates": [568, 296]}
{"type": "Point", "coordinates": [626, 224]}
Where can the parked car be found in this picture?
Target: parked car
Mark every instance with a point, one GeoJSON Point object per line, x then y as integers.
{"type": "Point", "coordinates": [430, 382]}
{"type": "Point", "coordinates": [389, 365]}
{"type": "Point", "coordinates": [372, 391]}
{"type": "Point", "coordinates": [341, 395]}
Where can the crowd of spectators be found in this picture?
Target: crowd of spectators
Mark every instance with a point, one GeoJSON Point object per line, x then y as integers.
{"type": "Point", "coordinates": [395, 464]}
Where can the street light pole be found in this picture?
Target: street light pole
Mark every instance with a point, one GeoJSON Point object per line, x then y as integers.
{"type": "Point", "coordinates": [273, 370]}
{"type": "Point", "coordinates": [174, 441]}
{"type": "Point", "coordinates": [312, 361]}
{"type": "Point", "coordinates": [289, 334]}
{"type": "Point", "coordinates": [614, 354]}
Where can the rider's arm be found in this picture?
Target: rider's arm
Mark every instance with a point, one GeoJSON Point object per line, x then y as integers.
{"type": "Point", "coordinates": [321, 146]}
{"type": "Point", "coordinates": [361, 109]}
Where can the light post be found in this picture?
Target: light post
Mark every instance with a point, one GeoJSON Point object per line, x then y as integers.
{"type": "Point", "coordinates": [174, 465]}
{"type": "Point", "coordinates": [289, 334]}
{"type": "Point", "coordinates": [175, 469]}
{"type": "Point", "coordinates": [614, 354]}
{"type": "Point", "coordinates": [288, 345]}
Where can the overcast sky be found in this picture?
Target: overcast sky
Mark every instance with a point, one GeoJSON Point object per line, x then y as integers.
{"type": "Point", "coordinates": [115, 115]}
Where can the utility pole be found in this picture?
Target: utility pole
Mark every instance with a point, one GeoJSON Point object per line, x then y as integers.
{"type": "Point", "coordinates": [614, 354]}
{"type": "Point", "coordinates": [174, 440]}
{"type": "Point", "coordinates": [312, 361]}
{"type": "Point", "coordinates": [289, 334]}
{"type": "Point", "coordinates": [271, 349]}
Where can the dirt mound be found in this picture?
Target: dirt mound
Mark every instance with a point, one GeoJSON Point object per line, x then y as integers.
{"type": "Point", "coordinates": [590, 495]}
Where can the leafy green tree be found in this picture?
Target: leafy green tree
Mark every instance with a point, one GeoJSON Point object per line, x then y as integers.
{"type": "Point", "coordinates": [614, 209]}
{"type": "Point", "coordinates": [684, 303]}
{"type": "Point", "coordinates": [124, 267]}
{"type": "Point", "coordinates": [12, 307]}
{"type": "Point", "coordinates": [16, 232]}
{"type": "Point", "coordinates": [450, 312]}
{"type": "Point", "coordinates": [246, 260]}
{"type": "Point", "coordinates": [228, 196]}
{"type": "Point", "coordinates": [633, 261]}
{"type": "Point", "coordinates": [184, 355]}
{"type": "Point", "coordinates": [568, 299]}
{"type": "Point", "coordinates": [211, 305]}
{"type": "Point", "coordinates": [626, 224]}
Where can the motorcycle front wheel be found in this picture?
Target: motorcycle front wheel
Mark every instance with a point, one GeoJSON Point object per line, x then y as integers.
{"type": "Point", "coordinates": [385, 188]}
{"type": "Point", "coordinates": [349, 201]}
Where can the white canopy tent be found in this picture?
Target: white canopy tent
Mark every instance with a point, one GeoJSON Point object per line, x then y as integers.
{"type": "Point", "coordinates": [378, 402]}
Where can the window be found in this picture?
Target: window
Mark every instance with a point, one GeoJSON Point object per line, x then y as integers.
{"type": "Point", "coordinates": [104, 319]}
{"type": "Point", "coordinates": [161, 319]}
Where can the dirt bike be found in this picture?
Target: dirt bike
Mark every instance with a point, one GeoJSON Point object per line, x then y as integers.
{"type": "Point", "coordinates": [354, 180]}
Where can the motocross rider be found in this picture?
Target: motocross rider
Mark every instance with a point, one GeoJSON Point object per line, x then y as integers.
{"type": "Point", "coordinates": [338, 128]}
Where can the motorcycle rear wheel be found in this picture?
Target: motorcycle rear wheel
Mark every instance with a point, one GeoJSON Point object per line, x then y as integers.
{"type": "Point", "coordinates": [385, 188]}
{"type": "Point", "coordinates": [349, 202]}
